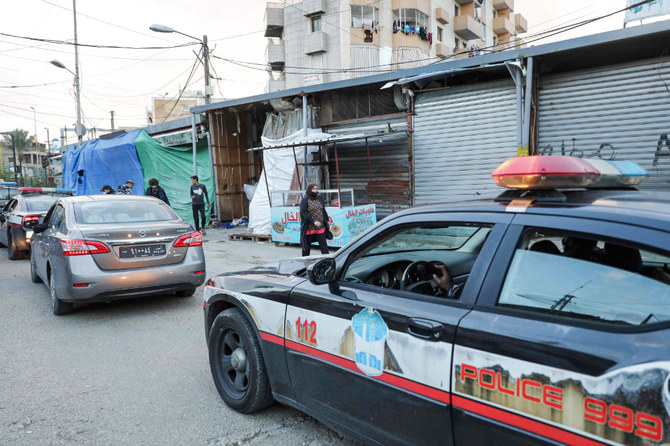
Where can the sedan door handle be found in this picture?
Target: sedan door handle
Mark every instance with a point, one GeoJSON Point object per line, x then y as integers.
{"type": "Point", "coordinates": [425, 329]}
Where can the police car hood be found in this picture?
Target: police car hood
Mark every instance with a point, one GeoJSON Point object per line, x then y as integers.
{"type": "Point", "coordinates": [282, 267]}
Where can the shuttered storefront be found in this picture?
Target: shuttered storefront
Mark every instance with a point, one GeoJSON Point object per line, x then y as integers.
{"type": "Point", "coordinates": [619, 112]}
{"type": "Point", "coordinates": [460, 136]}
{"type": "Point", "coordinates": [388, 160]}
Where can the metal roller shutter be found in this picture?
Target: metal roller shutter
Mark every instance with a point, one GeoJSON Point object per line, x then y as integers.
{"type": "Point", "coordinates": [619, 111]}
{"type": "Point", "coordinates": [388, 159]}
{"type": "Point", "coordinates": [460, 136]}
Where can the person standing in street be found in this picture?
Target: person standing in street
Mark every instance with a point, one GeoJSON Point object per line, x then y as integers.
{"type": "Point", "coordinates": [107, 190]}
{"type": "Point", "coordinates": [314, 225]}
{"type": "Point", "coordinates": [126, 189]}
{"type": "Point", "coordinates": [154, 190]}
{"type": "Point", "coordinates": [198, 196]}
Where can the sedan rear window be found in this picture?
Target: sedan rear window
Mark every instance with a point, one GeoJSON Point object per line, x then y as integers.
{"type": "Point", "coordinates": [39, 203]}
{"type": "Point", "coordinates": [122, 211]}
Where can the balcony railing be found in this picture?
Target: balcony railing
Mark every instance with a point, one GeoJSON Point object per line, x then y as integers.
{"type": "Point", "coordinates": [315, 42]}
{"type": "Point", "coordinates": [520, 23]}
{"type": "Point", "coordinates": [313, 7]}
{"type": "Point", "coordinates": [442, 50]}
{"type": "Point", "coordinates": [502, 25]}
{"type": "Point", "coordinates": [274, 19]}
{"type": "Point", "coordinates": [467, 28]}
{"type": "Point", "coordinates": [275, 55]}
{"type": "Point", "coordinates": [503, 4]}
{"type": "Point", "coordinates": [441, 15]}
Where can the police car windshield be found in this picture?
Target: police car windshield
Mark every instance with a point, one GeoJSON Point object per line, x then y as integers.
{"type": "Point", "coordinates": [447, 238]}
{"type": "Point", "coordinates": [39, 203]}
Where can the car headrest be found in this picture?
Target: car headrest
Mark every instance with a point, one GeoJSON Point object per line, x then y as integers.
{"type": "Point", "coordinates": [545, 246]}
{"type": "Point", "coordinates": [623, 257]}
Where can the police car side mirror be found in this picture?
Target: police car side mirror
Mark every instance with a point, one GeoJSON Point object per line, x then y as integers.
{"type": "Point", "coordinates": [40, 228]}
{"type": "Point", "coordinates": [322, 271]}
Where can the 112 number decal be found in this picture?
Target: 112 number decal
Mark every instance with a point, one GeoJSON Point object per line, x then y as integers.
{"type": "Point", "coordinates": [306, 331]}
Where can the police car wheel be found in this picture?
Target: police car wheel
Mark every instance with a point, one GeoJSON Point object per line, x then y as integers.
{"type": "Point", "coordinates": [12, 252]}
{"type": "Point", "coordinates": [57, 306]}
{"type": "Point", "coordinates": [237, 364]}
{"type": "Point", "coordinates": [33, 270]}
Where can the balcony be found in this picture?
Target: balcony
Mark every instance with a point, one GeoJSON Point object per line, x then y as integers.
{"type": "Point", "coordinates": [502, 25]}
{"type": "Point", "coordinates": [315, 42]}
{"type": "Point", "coordinates": [467, 28]}
{"type": "Point", "coordinates": [276, 84]}
{"type": "Point", "coordinates": [441, 15]}
{"type": "Point", "coordinates": [520, 23]}
{"type": "Point", "coordinates": [274, 19]}
{"type": "Point", "coordinates": [442, 50]}
{"type": "Point", "coordinates": [462, 2]}
{"type": "Point", "coordinates": [313, 7]}
{"type": "Point", "coordinates": [503, 4]}
{"type": "Point", "coordinates": [276, 56]}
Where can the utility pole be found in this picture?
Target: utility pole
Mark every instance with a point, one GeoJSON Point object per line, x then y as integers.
{"type": "Point", "coordinates": [48, 160]}
{"type": "Point", "coordinates": [112, 113]}
{"type": "Point", "coordinates": [80, 131]}
{"type": "Point", "coordinates": [205, 54]}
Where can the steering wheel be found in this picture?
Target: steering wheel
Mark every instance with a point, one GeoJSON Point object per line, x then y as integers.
{"type": "Point", "coordinates": [417, 277]}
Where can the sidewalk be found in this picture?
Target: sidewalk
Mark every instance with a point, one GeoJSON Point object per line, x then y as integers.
{"type": "Point", "coordinates": [224, 255]}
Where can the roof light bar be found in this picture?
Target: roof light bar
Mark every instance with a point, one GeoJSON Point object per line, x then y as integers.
{"type": "Point", "coordinates": [55, 190]}
{"type": "Point", "coordinates": [566, 172]}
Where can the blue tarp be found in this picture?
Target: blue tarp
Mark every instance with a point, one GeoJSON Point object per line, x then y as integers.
{"type": "Point", "coordinates": [103, 161]}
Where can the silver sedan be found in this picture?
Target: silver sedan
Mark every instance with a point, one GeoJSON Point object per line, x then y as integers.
{"type": "Point", "coordinates": [105, 247]}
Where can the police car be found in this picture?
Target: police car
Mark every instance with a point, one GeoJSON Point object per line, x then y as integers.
{"type": "Point", "coordinates": [22, 213]}
{"type": "Point", "coordinates": [538, 317]}
{"type": "Point", "coordinates": [8, 189]}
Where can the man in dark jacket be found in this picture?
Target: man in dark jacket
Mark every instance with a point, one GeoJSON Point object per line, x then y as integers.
{"type": "Point", "coordinates": [198, 195]}
{"type": "Point", "coordinates": [154, 190]}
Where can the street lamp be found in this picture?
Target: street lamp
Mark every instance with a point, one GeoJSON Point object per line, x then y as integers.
{"type": "Point", "coordinates": [205, 54]}
{"type": "Point", "coordinates": [79, 130]}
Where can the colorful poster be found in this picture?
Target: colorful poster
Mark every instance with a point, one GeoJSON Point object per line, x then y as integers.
{"type": "Point", "coordinates": [346, 223]}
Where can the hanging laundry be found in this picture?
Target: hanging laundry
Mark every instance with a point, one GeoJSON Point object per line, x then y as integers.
{"type": "Point", "coordinates": [430, 38]}
{"type": "Point", "coordinates": [395, 27]}
{"type": "Point", "coordinates": [405, 29]}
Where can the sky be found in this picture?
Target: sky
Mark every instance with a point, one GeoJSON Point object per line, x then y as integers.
{"type": "Point", "coordinates": [36, 95]}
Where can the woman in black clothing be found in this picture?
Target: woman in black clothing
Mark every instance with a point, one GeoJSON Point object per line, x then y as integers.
{"type": "Point", "coordinates": [314, 225]}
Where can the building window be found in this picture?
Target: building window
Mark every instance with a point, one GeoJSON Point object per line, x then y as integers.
{"type": "Point", "coordinates": [480, 13]}
{"type": "Point", "coordinates": [410, 17]}
{"type": "Point", "coordinates": [457, 11]}
{"type": "Point", "coordinates": [439, 34]}
{"type": "Point", "coordinates": [363, 15]}
{"type": "Point", "coordinates": [315, 23]}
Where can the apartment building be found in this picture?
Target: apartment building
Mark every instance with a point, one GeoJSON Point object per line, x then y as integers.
{"type": "Point", "coordinates": [317, 41]}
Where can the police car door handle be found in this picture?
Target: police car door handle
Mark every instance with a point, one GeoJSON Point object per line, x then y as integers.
{"type": "Point", "coordinates": [425, 329]}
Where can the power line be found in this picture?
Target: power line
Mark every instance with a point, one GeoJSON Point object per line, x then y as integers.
{"type": "Point", "coordinates": [88, 45]}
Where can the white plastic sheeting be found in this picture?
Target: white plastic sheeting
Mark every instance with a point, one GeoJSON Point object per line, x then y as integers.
{"type": "Point", "coordinates": [279, 166]}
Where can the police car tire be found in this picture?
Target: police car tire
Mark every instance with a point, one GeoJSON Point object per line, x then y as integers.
{"type": "Point", "coordinates": [258, 394]}
{"type": "Point", "coordinates": [12, 252]}
{"type": "Point", "coordinates": [57, 306]}
{"type": "Point", "coordinates": [33, 270]}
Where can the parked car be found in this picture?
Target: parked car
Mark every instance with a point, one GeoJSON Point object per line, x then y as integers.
{"type": "Point", "coordinates": [7, 191]}
{"type": "Point", "coordinates": [539, 317]}
{"type": "Point", "coordinates": [105, 247]}
{"type": "Point", "coordinates": [21, 213]}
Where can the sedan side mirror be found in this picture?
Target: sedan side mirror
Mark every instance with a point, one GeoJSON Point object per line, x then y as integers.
{"type": "Point", "coordinates": [40, 227]}
{"type": "Point", "coordinates": [322, 271]}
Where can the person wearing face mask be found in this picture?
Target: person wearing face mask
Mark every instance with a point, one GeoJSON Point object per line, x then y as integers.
{"type": "Point", "coordinates": [314, 225]}
{"type": "Point", "coordinates": [154, 190]}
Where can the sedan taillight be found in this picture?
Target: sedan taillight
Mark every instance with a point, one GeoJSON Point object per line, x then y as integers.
{"type": "Point", "coordinates": [82, 247]}
{"type": "Point", "coordinates": [29, 221]}
{"type": "Point", "coordinates": [192, 239]}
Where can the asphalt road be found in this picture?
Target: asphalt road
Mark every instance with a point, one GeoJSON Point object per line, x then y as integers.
{"type": "Point", "coordinates": [131, 372]}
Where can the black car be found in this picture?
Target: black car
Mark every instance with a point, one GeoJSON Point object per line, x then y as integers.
{"type": "Point", "coordinates": [22, 213]}
{"type": "Point", "coordinates": [538, 317]}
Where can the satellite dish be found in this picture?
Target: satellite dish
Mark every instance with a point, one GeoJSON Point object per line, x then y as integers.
{"type": "Point", "coordinates": [80, 129]}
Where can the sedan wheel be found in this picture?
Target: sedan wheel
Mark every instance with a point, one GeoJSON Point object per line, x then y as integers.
{"type": "Point", "coordinates": [57, 306]}
{"type": "Point", "coordinates": [33, 269]}
{"type": "Point", "coordinates": [237, 364]}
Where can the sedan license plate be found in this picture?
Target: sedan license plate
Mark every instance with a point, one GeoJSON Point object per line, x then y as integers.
{"type": "Point", "coordinates": [130, 252]}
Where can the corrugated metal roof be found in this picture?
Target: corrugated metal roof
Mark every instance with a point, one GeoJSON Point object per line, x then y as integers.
{"type": "Point", "coordinates": [610, 37]}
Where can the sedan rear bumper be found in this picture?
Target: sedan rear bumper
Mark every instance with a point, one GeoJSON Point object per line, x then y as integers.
{"type": "Point", "coordinates": [84, 281]}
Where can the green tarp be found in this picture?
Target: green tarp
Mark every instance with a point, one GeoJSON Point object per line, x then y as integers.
{"type": "Point", "coordinates": [173, 167]}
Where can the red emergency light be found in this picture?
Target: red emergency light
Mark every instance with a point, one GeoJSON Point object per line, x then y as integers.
{"type": "Point", "coordinates": [566, 172]}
